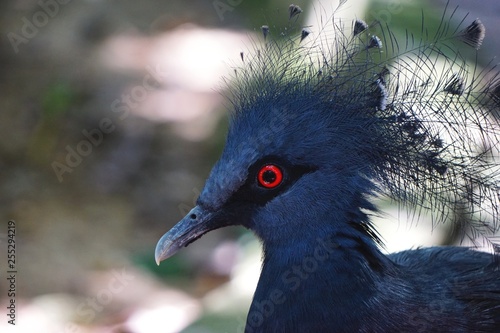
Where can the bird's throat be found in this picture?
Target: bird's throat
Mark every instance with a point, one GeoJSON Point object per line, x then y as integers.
{"type": "Point", "coordinates": [332, 269]}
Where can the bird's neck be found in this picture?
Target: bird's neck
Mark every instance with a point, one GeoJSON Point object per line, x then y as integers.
{"type": "Point", "coordinates": [316, 285]}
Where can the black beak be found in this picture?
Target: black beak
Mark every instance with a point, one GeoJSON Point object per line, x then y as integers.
{"type": "Point", "coordinates": [194, 225]}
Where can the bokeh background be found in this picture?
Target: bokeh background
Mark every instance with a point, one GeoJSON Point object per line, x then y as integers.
{"type": "Point", "coordinates": [111, 115]}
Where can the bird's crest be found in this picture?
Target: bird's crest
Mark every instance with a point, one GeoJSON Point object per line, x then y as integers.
{"type": "Point", "coordinates": [416, 117]}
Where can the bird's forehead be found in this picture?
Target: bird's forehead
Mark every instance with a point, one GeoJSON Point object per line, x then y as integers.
{"type": "Point", "coordinates": [282, 131]}
{"type": "Point", "coordinates": [271, 126]}
{"type": "Point", "coordinates": [228, 175]}
{"type": "Point", "coordinates": [250, 138]}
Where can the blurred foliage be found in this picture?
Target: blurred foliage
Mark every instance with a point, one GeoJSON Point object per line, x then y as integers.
{"type": "Point", "coordinates": [217, 324]}
{"type": "Point", "coordinates": [172, 270]}
{"type": "Point", "coordinates": [57, 99]}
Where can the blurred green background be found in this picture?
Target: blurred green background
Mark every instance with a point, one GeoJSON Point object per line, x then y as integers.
{"type": "Point", "coordinates": [111, 116]}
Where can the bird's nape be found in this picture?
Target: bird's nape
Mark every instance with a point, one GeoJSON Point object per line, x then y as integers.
{"type": "Point", "coordinates": [323, 122]}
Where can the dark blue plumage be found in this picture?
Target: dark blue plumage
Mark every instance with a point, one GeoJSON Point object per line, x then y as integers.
{"type": "Point", "coordinates": [320, 129]}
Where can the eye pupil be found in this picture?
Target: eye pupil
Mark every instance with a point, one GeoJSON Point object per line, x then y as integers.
{"type": "Point", "coordinates": [270, 176]}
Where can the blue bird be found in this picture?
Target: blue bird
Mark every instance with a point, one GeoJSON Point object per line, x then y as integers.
{"type": "Point", "coordinates": [321, 126]}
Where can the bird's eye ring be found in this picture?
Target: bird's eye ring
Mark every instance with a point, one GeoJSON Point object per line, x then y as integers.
{"type": "Point", "coordinates": [270, 176]}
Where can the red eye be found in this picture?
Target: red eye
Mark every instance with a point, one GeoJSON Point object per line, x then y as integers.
{"type": "Point", "coordinates": [270, 176]}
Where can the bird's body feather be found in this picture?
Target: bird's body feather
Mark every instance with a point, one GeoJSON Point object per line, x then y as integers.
{"type": "Point", "coordinates": [321, 128]}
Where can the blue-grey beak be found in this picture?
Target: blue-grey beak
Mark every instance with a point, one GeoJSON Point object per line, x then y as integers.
{"type": "Point", "coordinates": [194, 225]}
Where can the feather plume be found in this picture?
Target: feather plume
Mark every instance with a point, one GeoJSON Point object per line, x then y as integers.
{"type": "Point", "coordinates": [417, 118]}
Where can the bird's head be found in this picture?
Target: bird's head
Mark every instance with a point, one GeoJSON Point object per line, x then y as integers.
{"type": "Point", "coordinates": [295, 157]}
{"type": "Point", "coordinates": [316, 131]}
